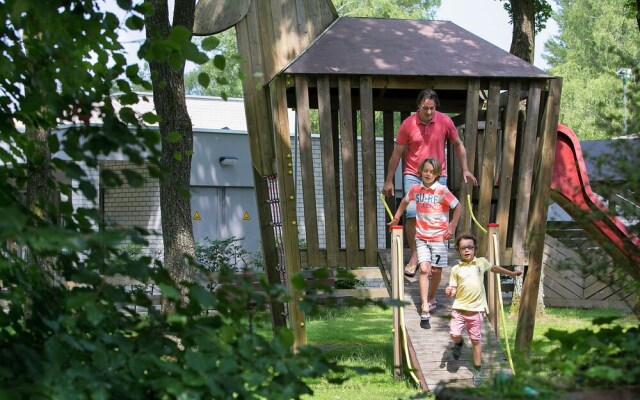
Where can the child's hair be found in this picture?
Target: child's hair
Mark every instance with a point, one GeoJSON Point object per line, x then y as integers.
{"type": "Point", "coordinates": [435, 163]}
{"type": "Point", "coordinates": [466, 236]}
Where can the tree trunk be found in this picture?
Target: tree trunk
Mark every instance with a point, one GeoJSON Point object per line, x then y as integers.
{"type": "Point", "coordinates": [638, 13]}
{"type": "Point", "coordinates": [39, 195]}
{"type": "Point", "coordinates": [523, 38]}
{"type": "Point", "coordinates": [171, 107]}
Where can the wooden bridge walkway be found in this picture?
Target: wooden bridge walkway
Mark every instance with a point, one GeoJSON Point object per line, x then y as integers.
{"type": "Point", "coordinates": [430, 349]}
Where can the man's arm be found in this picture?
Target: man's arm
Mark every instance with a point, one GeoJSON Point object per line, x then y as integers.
{"type": "Point", "coordinates": [461, 153]}
{"type": "Point", "coordinates": [396, 156]}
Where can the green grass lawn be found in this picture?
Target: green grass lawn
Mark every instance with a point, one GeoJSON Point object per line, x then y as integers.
{"type": "Point", "coordinates": [362, 338]}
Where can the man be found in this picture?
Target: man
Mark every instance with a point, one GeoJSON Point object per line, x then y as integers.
{"type": "Point", "coordinates": [422, 135]}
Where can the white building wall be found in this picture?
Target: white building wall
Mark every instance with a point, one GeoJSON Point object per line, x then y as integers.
{"type": "Point", "coordinates": [128, 207]}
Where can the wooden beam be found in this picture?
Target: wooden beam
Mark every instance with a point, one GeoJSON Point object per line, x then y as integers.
{"type": "Point", "coordinates": [538, 220]}
{"type": "Point", "coordinates": [509, 139]}
{"type": "Point", "coordinates": [349, 172]}
{"type": "Point", "coordinates": [388, 132]}
{"type": "Point", "coordinates": [270, 249]}
{"type": "Point", "coordinates": [525, 174]}
{"type": "Point", "coordinates": [307, 171]}
{"type": "Point", "coordinates": [288, 209]}
{"type": "Point", "coordinates": [470, 138]}
{"type": "Point", "coordinates": [328, 152]}
{"type": "Point", "coordinates": [488, 166]}
{"type": "Point", "coordinates": [368, 146]}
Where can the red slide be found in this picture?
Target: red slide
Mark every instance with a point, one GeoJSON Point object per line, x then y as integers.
{"type": "Point", "coordinates": [571, 190]}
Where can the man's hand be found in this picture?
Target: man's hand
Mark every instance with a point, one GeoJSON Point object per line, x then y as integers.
{"type": "Point", "coordinates": [468, 177]}
{"type": "Point", "coordinates": [388, 189]}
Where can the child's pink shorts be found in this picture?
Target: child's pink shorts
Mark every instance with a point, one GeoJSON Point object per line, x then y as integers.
{"type": "Point", "coordinates": [470, 319]}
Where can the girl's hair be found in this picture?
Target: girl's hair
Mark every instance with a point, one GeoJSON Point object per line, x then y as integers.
{"type": "Point", "coordinates": [466, 236]}
{"type": "Point", "coordinates": [435, 163]}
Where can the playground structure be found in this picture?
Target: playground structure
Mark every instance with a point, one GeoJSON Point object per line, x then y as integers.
{"type": "Point", "coordinates": [348, 70]}
{"type": "Point", "coordinates": [570, 188]}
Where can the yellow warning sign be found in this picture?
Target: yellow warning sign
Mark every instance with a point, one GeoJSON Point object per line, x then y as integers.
{"type": "Point", "coordinates": [246, 217]}
{"type": "Point", "coordinates": [196, 216]}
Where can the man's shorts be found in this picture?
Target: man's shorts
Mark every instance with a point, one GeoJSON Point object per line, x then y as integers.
{"type": "Point", "coordinates": [435, 253]}
{"type": "Point", "coordinates": [408, 181]}
{"type": "Point", "coordinates": [472, 320]}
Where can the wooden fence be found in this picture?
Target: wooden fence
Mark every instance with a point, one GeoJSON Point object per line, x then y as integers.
{"type": "Point", "coordinates": [572, 281]}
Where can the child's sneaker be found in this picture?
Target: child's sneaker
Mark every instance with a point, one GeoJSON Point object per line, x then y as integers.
{"type": "Point", "coordinates": [477, 375]}
{"type": "Point", "coordinates": [424, 320]}
{"type": "Point", "coordinates": [457, 349]}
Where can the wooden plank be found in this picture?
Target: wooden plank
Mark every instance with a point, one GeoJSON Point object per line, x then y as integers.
{"type": "Point", "coordinates": [585, 303]}
{"type": "Point", "coordinates": [340, 258]}
{"type": "Point", "coordinates": [327, 152]}
{"type": "Point", "coordinates": [470, 137]}
{"type": "Point", "coordinates": [307, 170]}
{"type": "Point", "coordinates": [509, 139]}
{"type": "Point", "coordinates": [538, 221]}
{"type": "Point", "coordinates": [370, 197]}
{"type": "Point", "coordinates": [552, 275]}
{"type": "Point", "coordinates": [388, 132]}
{"type": "Point", "coordinates": [288, 208]}
{"type": "Point", "coordinates": [488, 167]}
{"type": "Point", "coordinates": [525, 174]}
{"type": "Point", "coordinates": [349, 172]}
{"type": "Point", "coordinates": [561, 290]}
{"type": "Point", "coordinates": [572, 276]}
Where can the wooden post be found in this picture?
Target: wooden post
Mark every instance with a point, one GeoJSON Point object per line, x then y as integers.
{"type": "Point", "coordinates": [288, 210]}
{"type": "Point", "coordinates": [492, 287]}
{"type": "Point", "coordinates": [396, 263]}
{"type": "Point", "coordinates": [538, 220]}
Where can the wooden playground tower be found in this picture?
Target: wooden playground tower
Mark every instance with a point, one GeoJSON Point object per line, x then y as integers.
{"type": "Point", "coordinates": [349, 69]}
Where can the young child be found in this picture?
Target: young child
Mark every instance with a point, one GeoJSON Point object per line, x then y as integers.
{"type": "Point", "coordinates": [433, 201]}
{"type": "Point", "coordinates": [466, 283]}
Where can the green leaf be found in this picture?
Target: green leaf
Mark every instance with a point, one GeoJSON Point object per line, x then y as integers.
{"type": "Point", "coordinates": [125, 4]}
{"type": "Point", "coordinates": [174, 137]}
{"type": "Point", "coordinates": [133, 178]}
{"type": "Point", "coordinates": [203, 79]}
{"type": "Point", "coordinates": [134, 23]}
{"type": "Point", "coordinates": [220, 62]}
{"type": "Point", "coordinates": [177, 156]}
{"type": "Point", "coordinates": [180, 34]}
{"type": "Point", "coordinates": [169, 292]}
{"type": "Point", "coordinates": [210, 43]}
{"type": "Point", "coordinates": [128, 116]}
{"type": "Point", "coordinates": [150, 118]}
{"type": "Point", "coordinates": [202, 296]}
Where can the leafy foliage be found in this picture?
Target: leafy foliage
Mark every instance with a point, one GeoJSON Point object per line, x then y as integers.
{"type": "Point", "coordinates": [73, 330]}
{"type": "Point", "coordinates": [595, 41]}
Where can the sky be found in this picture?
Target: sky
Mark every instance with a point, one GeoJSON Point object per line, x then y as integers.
{"type": "Point", "coordinates": [489, 20]}
{"type": "Point", "coordinates": [485, 18]}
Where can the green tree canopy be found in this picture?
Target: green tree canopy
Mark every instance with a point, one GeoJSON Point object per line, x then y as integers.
{"type": "Point", "coordinates": [596, 39]}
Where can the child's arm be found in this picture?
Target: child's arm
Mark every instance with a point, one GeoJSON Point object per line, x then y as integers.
{"type": "Point", "coordinates": [396, 218]}
{"type": "Point", "coordinates": [503, 271]}
{"type": "Point", "coordinates": [451, 229]}
{"type": "Point", "coordinates": [451, 291]}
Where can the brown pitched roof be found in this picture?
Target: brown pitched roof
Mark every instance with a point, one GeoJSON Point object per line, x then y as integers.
{"type": "Point", "coordinates": [396, 47]}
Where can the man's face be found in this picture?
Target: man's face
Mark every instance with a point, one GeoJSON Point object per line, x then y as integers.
{"type": "Point", "coordinates": [426, 110]}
